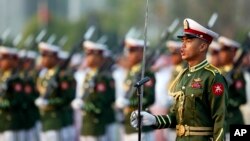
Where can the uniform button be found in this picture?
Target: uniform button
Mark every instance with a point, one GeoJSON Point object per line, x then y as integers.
{"type": "Point", "coordinates": [192, 95]}
{"type": "Point", "coordinates": [183, 87]}
{"type": "Point", "coordinates": [189, 74]}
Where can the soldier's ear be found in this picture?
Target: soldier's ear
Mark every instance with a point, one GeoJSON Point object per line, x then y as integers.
{"type": "Point", "coordinates": [203, 47]}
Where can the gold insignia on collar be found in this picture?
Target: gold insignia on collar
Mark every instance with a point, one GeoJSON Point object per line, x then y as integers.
{"type": "Point", "coordinates": [186, 26]}
{"type": "Point", "coordinates": [197, 80]}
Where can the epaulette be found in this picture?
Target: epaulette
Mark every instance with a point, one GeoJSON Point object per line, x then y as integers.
{"type": "Point", "coordinates": [212, 69]}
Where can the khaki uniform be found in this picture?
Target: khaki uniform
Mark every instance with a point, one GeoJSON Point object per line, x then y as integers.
{"type": "Point", "coordinates": [199, 110]}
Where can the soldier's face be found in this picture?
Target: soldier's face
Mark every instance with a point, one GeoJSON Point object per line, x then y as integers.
{"type": "Point", "coordinates": [176, 57]}
{"type": "Point", "coordinates": [93, 57]}
{"type": "Point", "coordinates": [227, 55]}
{"type": "Point", "coordinates": [134, 55]}
{"type": "Point", "coordinates": [49, 60]}
{"type": "Point", "coordinates": [5, 64]}
{"type": "Point", "coordinates": [191, 48]}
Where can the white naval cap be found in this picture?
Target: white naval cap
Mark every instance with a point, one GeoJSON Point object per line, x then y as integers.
{"type": "Point", "coordinates": [173, 46]}
{"type": "Point", "coordinates": [192, 29]}
{"type": "Point", "coordinates": [8, 50]}
{"type": "Point", "coordinates": [132, 42]}
{"type": "Point", "coordinates": [63, 54]}
{"type": "Point", "coordinates": [30, 54]}
{"type": "Point", "coordinates": [214, 46]}
{"type": "Point", "coordinates": [48, 47]}
{"type": "Point", "coordinates": [94, 46]}
{"type": "Point", "coordinates": [228, 42]}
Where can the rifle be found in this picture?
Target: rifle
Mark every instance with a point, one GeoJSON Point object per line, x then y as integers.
{"type": "Point", "coordinates": [155, 53]}
{"type": "Point", "coordinates": [52, 82]}
{"type": "Point", "coordinates": [241, 52]}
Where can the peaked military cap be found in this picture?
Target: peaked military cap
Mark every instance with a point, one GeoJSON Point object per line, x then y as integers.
{"type": "Point", "coordinates": [192, 29]}
{"type": "Point", "coordinates": [228, 42]}
{"type": "Point", "coordinates": [48, 47]}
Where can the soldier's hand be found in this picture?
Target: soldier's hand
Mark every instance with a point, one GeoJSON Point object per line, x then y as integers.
{"type": "Point", "coordinates": [77, 104]}
{"type": "Point", "coordinates": [121, 102]}
{"type": "Point", "coordinates": [41, 102]}
{"type": "Point", "coordinates": [147, 119]}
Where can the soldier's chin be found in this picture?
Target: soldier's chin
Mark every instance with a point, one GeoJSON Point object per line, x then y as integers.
{"type": "Point", "coordinates": [183, 57]}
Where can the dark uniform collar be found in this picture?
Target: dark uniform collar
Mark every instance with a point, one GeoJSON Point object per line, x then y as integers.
{"type": "Point", "coordinates": [199, 66]}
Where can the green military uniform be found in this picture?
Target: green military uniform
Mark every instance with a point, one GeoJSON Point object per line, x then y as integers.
{"type": "Point", "coordinates": [98, 98]}
{"type": "Point", "coordinates": [11, 99]}
{"type": "Point", "coordinates": [30, 112]}
{"type": "Point", "coordinates": [199, 111]}
{"type": "Point", "coordinates": [236, 95]}
{"type": "Point", "coordinates": [148, 96]}
{"type": "Point", "coordinates": [52, 116]}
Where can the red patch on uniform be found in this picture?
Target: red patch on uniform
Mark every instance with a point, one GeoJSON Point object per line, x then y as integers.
{"type": "Point", "coordinates": [196, 85]}
{"type": "Point", "coordinates": [64, 85]}
{"type": "Point", "coordinates": [27, 89]}
{"type": "Point", "coordinates": [101, 87]}
{"type": "Point", "coordinates": [150, 83]}
{"type": "Point", "coordinates": [18, 87]}
{"type": "Point", "coordinates": [238, 84]}
{"type": "Point", "coordinates": [218, 89]}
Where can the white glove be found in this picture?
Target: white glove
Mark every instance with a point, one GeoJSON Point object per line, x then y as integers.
{"type": "Point", "coordinates": [121, 102]}
{"type": "Point", "coordinates": [77, 104]}
{"type": "Point", "coordinates": [41, 102]}
{"type": "Point", "coordinates": [147, 119]}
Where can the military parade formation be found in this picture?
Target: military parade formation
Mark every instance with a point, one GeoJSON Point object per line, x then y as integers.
{"type": "Point", "coordinates": [198, 87]}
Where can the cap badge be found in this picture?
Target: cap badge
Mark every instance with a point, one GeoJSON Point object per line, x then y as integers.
{"type": "Point", "coordinates": [196, 83]}
{"type": "Point", "coordinates": [186, 26]}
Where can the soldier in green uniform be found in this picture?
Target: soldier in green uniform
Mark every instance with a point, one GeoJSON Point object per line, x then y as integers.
{"type": "Point", "coordinates": [200, 92]}
{"type": "Point", "coordinates": [129, 102]}
{"type": "Point", "coordinates": [68, 131]}
{"type": "Point", "coordinates": [94, 94]}
{"type": "Point", "coordinates": [11, 96]}
{"type": "Point", "coordinates": [27, 60]}
{"type": "Point", "coordinates": [55, 90]}
{"type": "Point", "coordinates": [235, 79]}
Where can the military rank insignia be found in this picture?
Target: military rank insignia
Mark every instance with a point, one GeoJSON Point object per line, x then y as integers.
{"type": "Point", "coordinates": [218, 89]}
{"type": "Point", "coordinates": [196, 83]}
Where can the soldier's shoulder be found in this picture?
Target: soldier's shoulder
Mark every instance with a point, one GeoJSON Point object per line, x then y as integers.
{"type": "Point", "coordinates": [213, 70]}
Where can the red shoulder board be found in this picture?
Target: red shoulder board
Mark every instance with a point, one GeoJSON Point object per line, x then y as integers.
{"type": "Point", "coordinates": [218, 89]}
{"type": "Point", "coordinates": [101, 87]}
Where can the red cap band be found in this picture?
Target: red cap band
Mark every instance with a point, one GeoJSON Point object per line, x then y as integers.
{"type": "Point", "coordinates": [200, 34]}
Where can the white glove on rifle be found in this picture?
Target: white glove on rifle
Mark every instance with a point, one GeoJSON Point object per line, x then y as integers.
{"type": "Point", "coordinates": [121, 102]}
{"type": "Point", "coordinates": [147, 119]}
{"type": "Point", "coordinates": [77, 104]}
{"type": "Point", "coordinates": [41, 102]}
